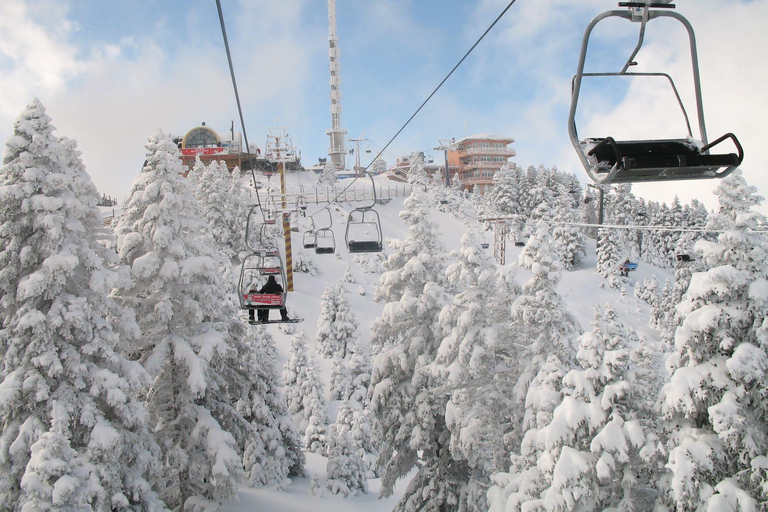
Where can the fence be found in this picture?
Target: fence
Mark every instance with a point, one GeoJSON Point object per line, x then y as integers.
{"type": "Point", "coordinates": [321, 195]}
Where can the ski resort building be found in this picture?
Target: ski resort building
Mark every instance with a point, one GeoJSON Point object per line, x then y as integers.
{"type": "Point", "coordinates": [477, 158]}
{"type": "Point", "coordinates": [473, 160]}
{"type": "Point", "coordinates": [210, 146]}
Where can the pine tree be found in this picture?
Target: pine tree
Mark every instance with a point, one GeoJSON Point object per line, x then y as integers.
{"type": "Point", "coordinates": [503, 196]}
{"type": "Point", "coordinates": [206, 374]}
{"type": "Point", "coordinates": [569, 242]}
{"type": "Point", "coordinates": [714, 401]}
{"type": "Point", "coordinates": [543, 325]}
{"type": "Point", "coordinates": [474, 367]}
{"type": "Point", "coordinates": [336, 324]}
{"type": "Point", "coordinates": [219, 207]}
{"type": "Point", "coordinates": [608, 256]}
{"type": "Point", "coordinates": [346, 468]}
{"type": "Point", "coordinates": [328, 176]}
{"type": "Point", "coordinates": [586, 448]}
{"type": "Point", "coordinates": [69, 411]}
{"type": "Point", "coordinates": [303, 393]}
{"type": "Point", "coordinates": [404, 342]}
{"type": "Point", "coordinates": [274, 453]}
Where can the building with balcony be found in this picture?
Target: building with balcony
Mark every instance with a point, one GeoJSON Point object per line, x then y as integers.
{"type": "Point", "coordinates": [476, 159]}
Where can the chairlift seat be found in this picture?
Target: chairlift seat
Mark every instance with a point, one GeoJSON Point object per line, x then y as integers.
{"type": "Point", "coordinates": [325, 250]}
{"type": "Point", "coordinates": [363, 246]}
{"type": "Point", "coordinates": [660, 160]}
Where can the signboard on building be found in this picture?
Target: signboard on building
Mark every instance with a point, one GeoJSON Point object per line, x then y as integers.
{"type": "Point", "coordinates": [203, 151]}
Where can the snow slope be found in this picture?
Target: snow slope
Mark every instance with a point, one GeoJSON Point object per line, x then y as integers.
{"type": "Point", "coordinates": [582, 289]}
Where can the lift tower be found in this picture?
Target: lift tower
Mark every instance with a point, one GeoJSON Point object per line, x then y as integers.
{"type": "Point", "coordinates": [338, 149]}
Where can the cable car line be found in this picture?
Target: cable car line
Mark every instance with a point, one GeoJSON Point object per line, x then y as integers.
{"type": "Point", "coordinates": [237, 99]}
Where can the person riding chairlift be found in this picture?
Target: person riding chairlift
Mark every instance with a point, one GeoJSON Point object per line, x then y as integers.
{"type": "Point", "coordinates": [271, 287]}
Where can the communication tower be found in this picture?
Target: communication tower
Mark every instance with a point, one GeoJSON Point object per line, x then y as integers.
{"type": "Point", "coordinates": [338, 148]}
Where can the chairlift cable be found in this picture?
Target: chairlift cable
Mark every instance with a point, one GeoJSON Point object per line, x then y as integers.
{"type": "Point", "coordinates": [237, 99]}
{"type": "Point", "coordinates": [364, 172]}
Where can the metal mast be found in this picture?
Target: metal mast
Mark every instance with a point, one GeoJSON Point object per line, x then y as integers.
{"type": "Point", "coordinates": [338, 149]}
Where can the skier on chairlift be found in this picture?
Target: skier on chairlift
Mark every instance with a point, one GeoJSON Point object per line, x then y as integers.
{"type": "Point", "coordinates": [271, 287]}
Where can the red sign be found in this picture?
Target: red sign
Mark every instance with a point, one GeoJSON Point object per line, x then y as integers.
{"type": "Point", "coordinates": [265, 299]}
{"type": "Point", "coordinates": [202, 151]}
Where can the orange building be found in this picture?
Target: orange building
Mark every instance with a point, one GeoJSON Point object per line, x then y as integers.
{"type": "Point", "coordinates": [477, 158]}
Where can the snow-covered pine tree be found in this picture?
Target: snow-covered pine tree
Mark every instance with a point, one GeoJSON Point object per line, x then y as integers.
{"type": "Point", "coordinates": [315, 415]}
{"type": "Point", "coordinates": [328, 177]}
{"type": "Point", "coordinates": [524, 481]}
{"type": "Point", "coordinates": [714, 402]}
{"type": "Point", "coordinates": [220, 208]}
{"type": "Point", "coordinates": [336, 325]}
{"type": "Point", "coordinates": [346, 468]}
{"type": "Point", "coordinates": [569, 241]}
{"type": "Point", "coordinates": [360, 374]}
{"type": "Point", "coordinates": [609, 253]}
{"type": "Point", "coordinates": [192, 342]}
{"type": "Point", "coordinates": [503, 197]}
{"type": "Point", "coordinates": [593, 453]}
{"type": "Point", "coordinates": [57, 477]}
{"type": "Point", "coordinates": [303, 262]}
{"type": "Point", "coordinates": [540, 321]}
{"type": "Point", "coordinates": [403, 343]}
{"type": "Point", "coordinates": [475, 366]}
{"type": "Point", "coordinates": [69, 411]}
{"type": "Point", "coordinates": [304, 395]}
{"type": "Point", "coordinates": [341, 379]}
{"type": "Point", "coordinates": [275, 453]}
{"type": "Point", "coordinates": [416, 173]}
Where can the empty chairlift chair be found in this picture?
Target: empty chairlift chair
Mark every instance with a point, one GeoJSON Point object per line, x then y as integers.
{"type": "Point", "coordinates": [325, 240]}
{"type": "Point", "coordinates": [607, 160]}
{"type": "Point", "coordinates": [309, 239]}
{"type": "Point", "coordinates": [363, 233]}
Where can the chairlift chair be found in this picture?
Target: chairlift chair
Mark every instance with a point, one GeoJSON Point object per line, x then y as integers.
{"type": "Point", "coordinates": [363, 233]}
{"type": "Point", "coordinates": [309, 239]}
{"type": "Point", "coordinates": [325, 240]}
{"type": "Point", "coordinates": [301, 203]}
{"type": "Point", "coordinates": [607, 160]}
{"type": "Point", "coordinates": [254, 272]}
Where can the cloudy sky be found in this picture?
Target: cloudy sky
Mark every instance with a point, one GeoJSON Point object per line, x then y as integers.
{"type": "Point", "coordinates": [110, 73]}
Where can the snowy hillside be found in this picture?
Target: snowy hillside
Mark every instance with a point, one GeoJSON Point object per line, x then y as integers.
{"type": "Point", "coordinates": [582, 289]}
{"type": "Point", "coordinates": [625, 372]}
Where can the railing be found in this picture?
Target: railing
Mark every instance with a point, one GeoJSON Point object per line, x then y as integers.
{"type": "Point", "coordinates": [487, 151]}
{"type": "Point", "coordinates": [321, 195]}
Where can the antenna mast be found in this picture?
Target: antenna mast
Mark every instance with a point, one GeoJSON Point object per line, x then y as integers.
{"type": "Point", "coordinates": [338, 149]}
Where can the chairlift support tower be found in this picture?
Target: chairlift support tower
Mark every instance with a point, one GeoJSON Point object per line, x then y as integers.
{"type": "Point", "coordinates": [357, 142]}
{"type": "Point", "coordinates": [280, 150]}
{"type": "Point", "coordinates": [445, 146]}
{"type": "Point", "coordinates": [338, 148]}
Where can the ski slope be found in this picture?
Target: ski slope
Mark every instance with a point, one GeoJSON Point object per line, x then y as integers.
{"type": "Point", "coordinates": [582, 289]}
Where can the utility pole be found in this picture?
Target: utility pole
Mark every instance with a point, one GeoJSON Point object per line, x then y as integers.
{"type": "Point", "coordinates": [445, 145]}
{"type": "Point", "coordinates": [599, 189]}
{"type": "Point", "coordinates": [357, 142]}
{"type": "Point", "coordinates": [280, 150]}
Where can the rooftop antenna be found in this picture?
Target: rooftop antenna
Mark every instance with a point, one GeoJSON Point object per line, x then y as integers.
{"type": "Point", "coordinates": [338, 148]}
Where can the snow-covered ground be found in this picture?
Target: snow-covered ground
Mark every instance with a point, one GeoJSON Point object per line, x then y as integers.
{"type": "Point", "coordinates": [582, 289]}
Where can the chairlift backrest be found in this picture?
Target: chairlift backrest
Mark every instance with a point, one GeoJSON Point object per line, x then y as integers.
{"type": "Point", "coordinates": [607, 160]}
